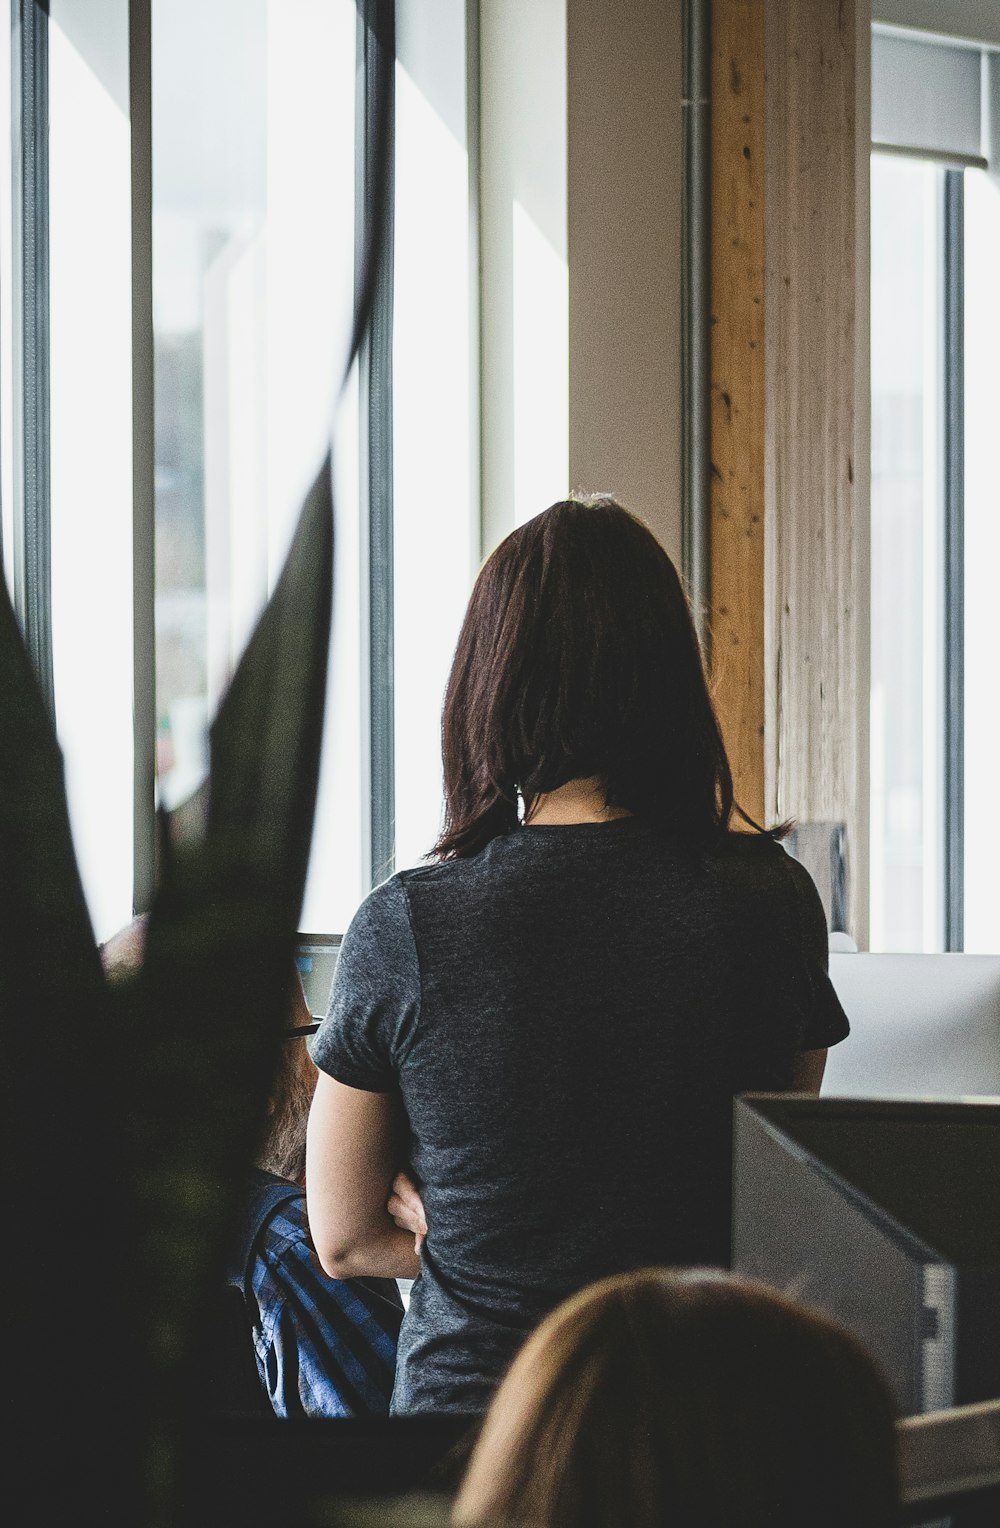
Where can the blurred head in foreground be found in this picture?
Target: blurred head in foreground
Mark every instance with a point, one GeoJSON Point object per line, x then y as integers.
{"type": "Point", "coordinates": [686, 1400]}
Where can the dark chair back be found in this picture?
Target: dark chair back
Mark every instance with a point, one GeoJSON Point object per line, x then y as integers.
{"type": "Point", "coordinates": [229, 1384]}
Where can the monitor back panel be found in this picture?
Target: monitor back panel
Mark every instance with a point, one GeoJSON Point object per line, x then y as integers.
{"type": "Point", "coordinates": [887, 1216]}
{"type": "Point", "coordinates": [794, 1229]}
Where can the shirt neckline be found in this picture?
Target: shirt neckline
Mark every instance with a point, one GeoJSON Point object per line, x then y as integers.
{"type": "Point", "coordinates": [584, 828]}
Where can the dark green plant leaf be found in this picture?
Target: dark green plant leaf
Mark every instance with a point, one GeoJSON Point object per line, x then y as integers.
{"type": "Point", "coordinates": [213, 994]}
{"type": "Point", "coordinates": [69, 1320]}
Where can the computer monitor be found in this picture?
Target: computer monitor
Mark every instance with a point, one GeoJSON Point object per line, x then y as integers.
{"type": "Point", "coordinates": [316, 957]}
{"type": "Point", "coordinates": [887, 1216]}
{"type": "Point", "coordinates": [921, 1026]}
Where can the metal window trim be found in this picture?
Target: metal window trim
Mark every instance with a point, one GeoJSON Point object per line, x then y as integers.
{"type": "Point", "coordinates": [32, 416]}
{"type": "Point", "coordinates": [143, 458]}
{"type": "Point", "coordinates": [376, 37]}
{"type": "Point", "coordinates": [953, 319]}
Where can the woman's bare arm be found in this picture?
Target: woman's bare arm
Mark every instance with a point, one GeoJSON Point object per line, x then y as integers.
{"type": "Point", "coordinates": [808, 1072]}
{"type": "Point", "coordinates": [354, 1150]}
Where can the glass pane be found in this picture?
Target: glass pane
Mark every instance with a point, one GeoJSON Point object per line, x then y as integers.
{"type": "Point", "coordinates": [435, 517]}
{"type": "Point", "coordinates": [982, 558]}
{"type": "Point", "coordinates": [907, 569]}
{"type": "Point", "coordinates": [253, 250]}
{"type": "Point", "coordinates": [91, 441]}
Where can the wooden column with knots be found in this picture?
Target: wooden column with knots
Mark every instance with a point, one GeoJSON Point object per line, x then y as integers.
{"type": "Point", "coordinates": [737, 390]}
{"type": "Point", "coordinates": [789, 444]}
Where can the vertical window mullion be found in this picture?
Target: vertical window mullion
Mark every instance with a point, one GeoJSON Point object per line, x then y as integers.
{"type": "Point", "coordinates": [954, 559]}
{"type": "Point", "coordinates": [143, 455]}
{"type": "Point", "coordinates": [32, 431]}
{"type": "Point", "coordinates": [377, 453]}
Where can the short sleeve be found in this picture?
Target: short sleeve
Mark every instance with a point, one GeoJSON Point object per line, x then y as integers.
{"type": "Point", "coordinates": [825, 1022]}
{"type": "Point", "coordinates": [375, 1002]}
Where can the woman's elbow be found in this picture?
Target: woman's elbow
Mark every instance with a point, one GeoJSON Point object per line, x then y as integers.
{"type": "Point", "coordinates": [337, 1265]}
{"type": "Point", "coordinates": [338, 1256]}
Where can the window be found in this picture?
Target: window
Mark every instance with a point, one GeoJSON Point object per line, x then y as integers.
{"type": "Point", "coordinates": [238, 233]}
{"type": "Point", "coordinates": [89, 369]}
{"type": "Point", "coordinates": [435, 467]}
{"type": "Point", "coordinates": [907, 576]}
{"type": "Point", "coordinates": [982, 559]}
{"type": "Point", "coordinates": [935, 327]}
{"type": "Point", "coordinates": [253, 114]}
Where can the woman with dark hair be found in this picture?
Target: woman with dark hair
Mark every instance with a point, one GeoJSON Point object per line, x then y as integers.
{"type": "Point", "coordinates": [693, 1400]}
{"type": "Point", "coordinates": [547, 1025]}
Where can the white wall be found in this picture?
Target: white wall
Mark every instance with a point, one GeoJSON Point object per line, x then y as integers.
{"type": "Point", "coordinates": [580, 220]}
{"type": "Point", "coordinates": [522, 210]}
{"type": "Point", "coordinates": [624, 212]}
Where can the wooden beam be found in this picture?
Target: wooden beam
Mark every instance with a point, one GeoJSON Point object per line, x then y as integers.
{"type": "Point", "coordinates": [816, 584]}
{"type": "Point", "coordinates": [737, 390]}
{"type": "Point", "coordinates": [788, 561]}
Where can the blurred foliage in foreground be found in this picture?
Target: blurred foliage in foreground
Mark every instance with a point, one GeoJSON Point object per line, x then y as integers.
{"type": "Point", "coordinates": [130, 1116]}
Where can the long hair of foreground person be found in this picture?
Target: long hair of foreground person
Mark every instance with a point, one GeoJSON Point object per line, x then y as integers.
{"type": "Point", "coordinates": [578, 658]}
{"type": "Point", "coordinates": [686, 1400]}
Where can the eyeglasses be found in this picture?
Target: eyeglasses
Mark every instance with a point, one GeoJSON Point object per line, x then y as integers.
{"type": "Point", "coordinates": [302, 1031]}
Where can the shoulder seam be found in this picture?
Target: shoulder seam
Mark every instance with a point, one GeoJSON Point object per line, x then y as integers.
{"type": "Point", "coordinates": [414, 872]}
{"type": "Point", "coordinates": [416, 961]}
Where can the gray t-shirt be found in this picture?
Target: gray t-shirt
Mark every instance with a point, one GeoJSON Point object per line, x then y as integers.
{"type": "Point", "coordinates": [567, 1017]}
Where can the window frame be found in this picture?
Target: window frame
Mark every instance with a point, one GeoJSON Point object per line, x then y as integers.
{"type": "Point", "coordinates": [30, 560]}
{"type": "Point", "coordinates": [951, 384]}
{"type": "Point", "coordinates": [953, 458]}
{"type": "Point", "coordinates": [32, 551]}
{"type": "Point", "coordinates": [950, 527]}
{"type": "Point", "coordinates": [140, 69]}
{"type": "Point", "coordinates": [376, 425]}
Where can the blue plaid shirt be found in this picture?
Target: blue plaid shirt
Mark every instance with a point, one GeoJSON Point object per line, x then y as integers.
{"type": "Point", "coordinates": [325, 1347]}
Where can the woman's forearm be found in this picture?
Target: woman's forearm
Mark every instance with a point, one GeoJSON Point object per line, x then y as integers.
{"type": "Point", "coordinates": [353, 1150]}
{"type": "Point", "coordinates": [385, 1252]}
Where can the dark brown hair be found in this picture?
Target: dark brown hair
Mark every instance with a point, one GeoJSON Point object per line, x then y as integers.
{"type": "Point", "coordinates": [578, 658]}
{"type": "Point", "coordinates": [686, 1400]}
